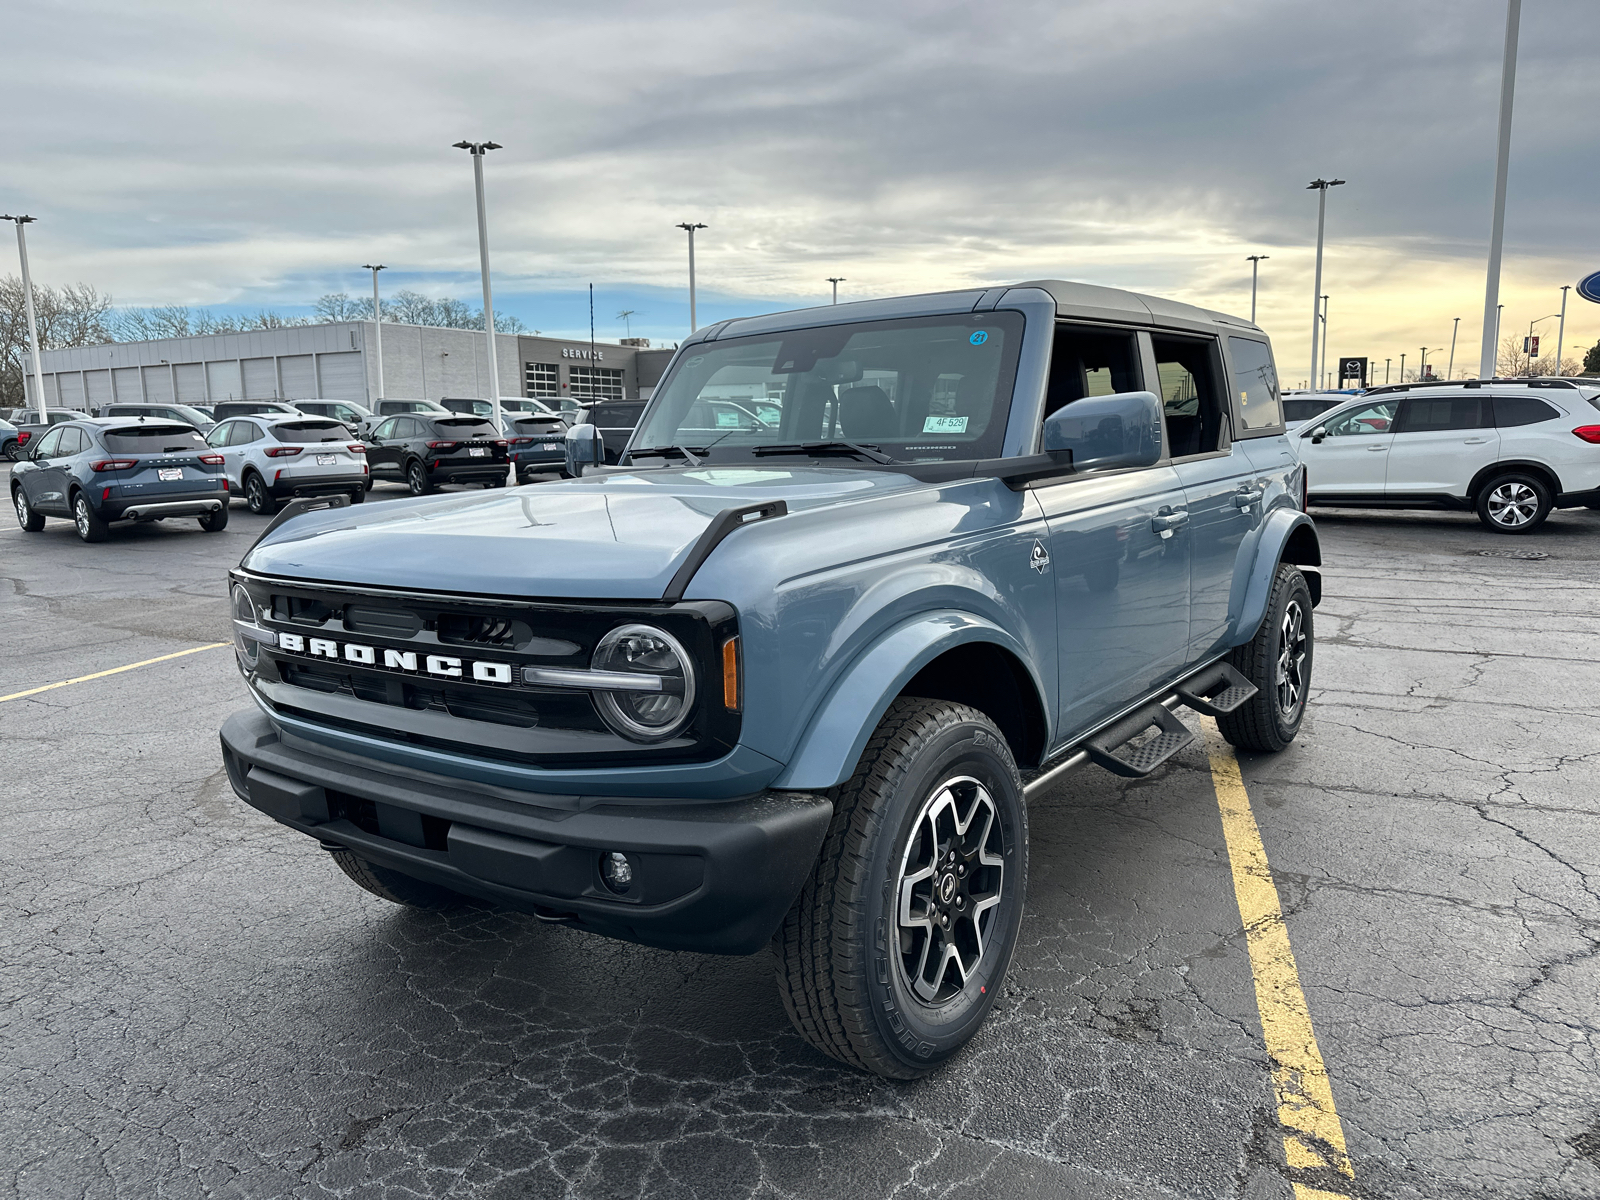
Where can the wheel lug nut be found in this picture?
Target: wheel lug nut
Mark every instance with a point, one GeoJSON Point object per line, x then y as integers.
{"type": "Point", "coordinates": [944, 919]}
{"type": "Point", "coordinates": [961, 901]}
{"type": "Point", "coordinates": [962, 870]}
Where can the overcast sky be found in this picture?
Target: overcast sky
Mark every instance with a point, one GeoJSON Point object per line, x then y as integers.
{"type": "Point", "coordinates": [256, 155]}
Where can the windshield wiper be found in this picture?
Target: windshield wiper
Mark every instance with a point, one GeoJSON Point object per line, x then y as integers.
{"type": "Point", "coordinates": [818, 449]}
{"type": "Point", "coordinates": [691, 454]}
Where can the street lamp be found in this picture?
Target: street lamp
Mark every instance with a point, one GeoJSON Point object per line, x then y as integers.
{"type": "Point", "coordinates": [27, 305]}
{"type": "Point", "coordinates": [1320, 186]}
{"type": "Point", "coordinates": [1561, 329]}
{"type": "Point", "coordinates": [1324, 375]}
{"type": "Point", "coordinates": [1422, 372]}
{"type": "Point", "coordinates": [690, 227]}
{"type": "Point", "coordinates": [377, 323]}
{"type": "Point", "coordinates": [1450, 371]}
{"type": "Point", "coordinates": [1529, 343]}
{"type": "Point", "coordinates": [478, 150]}
{"type": "Point", "coordinates": [1488, 360]}
{"type": "Point", "coordinates": [836, 280]}
{"type": "Point", "coordinates": [1499, 311]}
{"type": "Point", "coordinates": [1402, 368]}
{"type": "Point", "coordinates": [1386, 363]}
{"type": "Point", "coordinates": [1255, 261]}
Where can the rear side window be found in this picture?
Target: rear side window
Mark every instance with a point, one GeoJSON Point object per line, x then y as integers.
{"type": "Point", "coordinates": [1090, 362]}
{"type": "Point", "coordinates": [1511, 411]}
{"type": "Point", "coordinates": [301, 433]}
{"type": "Point", "coordinates": [244, 432]}
{"type": "Point", "coordinates": [153, 439]}
{"type": "Point", "coordinates": [1255, 379]}
{"type": "Point", "coordinates": [1420, 414]}
{"type": "Point", "coordinates": [615, 415]}
{"type": "Point", "coordinates": [1190, 394]}
{"type": "Point", "coordinates": [72, 442]}
{"type": "Point", "coordinates": [464, 427]}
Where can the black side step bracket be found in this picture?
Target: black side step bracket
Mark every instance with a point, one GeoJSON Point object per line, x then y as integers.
{"type": "Point", "coordinates": [1110, 748]}
{"type": "Point", "coordinates": [1217, 690]}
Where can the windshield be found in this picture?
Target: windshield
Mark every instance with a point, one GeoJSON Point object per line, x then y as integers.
{"type": "Point", "coordinates": [920, 389]}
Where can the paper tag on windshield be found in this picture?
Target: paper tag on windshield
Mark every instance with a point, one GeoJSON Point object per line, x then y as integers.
{"type": "Point", "coordinates": [944, 425]}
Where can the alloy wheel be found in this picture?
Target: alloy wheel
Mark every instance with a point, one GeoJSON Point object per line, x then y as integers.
{"type": "Point", "coordinates": [951, 876]}
{"type": "Point", "coordinates": [1513, 504]}
{"type": "Point", "coordinates": [1293, 643]}
{"type": "Point", "coordinates": [80, 517]}
{"type": "Point", "coordinates": [21, 501]}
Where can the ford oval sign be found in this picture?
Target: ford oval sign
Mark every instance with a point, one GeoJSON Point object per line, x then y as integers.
{"type": "Point", "coordinates": [1589, 287]}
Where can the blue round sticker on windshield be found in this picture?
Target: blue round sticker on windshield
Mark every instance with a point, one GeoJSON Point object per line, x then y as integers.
{"type": "Point", "coordinates": [978, 338]}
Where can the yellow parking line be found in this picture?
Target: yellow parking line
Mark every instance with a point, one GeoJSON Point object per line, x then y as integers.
{"type": "Point", "coordinates": [113, 671]}
{"type": "Point", "coordinates": [1312, 1135]}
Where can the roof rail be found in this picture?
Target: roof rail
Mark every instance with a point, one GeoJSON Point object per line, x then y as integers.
{"type": "Point", "coordinates": [1518, 381]}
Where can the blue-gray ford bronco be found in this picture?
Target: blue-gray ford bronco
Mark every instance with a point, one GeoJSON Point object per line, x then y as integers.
{"type": "Point", "coordinates": [864, 578]}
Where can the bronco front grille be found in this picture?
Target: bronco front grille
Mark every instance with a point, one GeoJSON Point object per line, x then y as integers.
{"type": "Point", "coordinates": [495, 715]}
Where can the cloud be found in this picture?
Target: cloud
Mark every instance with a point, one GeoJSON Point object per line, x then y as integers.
{"type": "Point", "coordinates": [182, 152]}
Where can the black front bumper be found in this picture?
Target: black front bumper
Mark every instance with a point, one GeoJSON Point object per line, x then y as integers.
{"type": "Point", "coordinates": [713, 877]}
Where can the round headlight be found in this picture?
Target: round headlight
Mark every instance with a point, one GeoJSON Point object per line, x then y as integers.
{"type": "Point", "coordinates": [655, 714]}
{"type": "Point", "coordinates": [244, 610]}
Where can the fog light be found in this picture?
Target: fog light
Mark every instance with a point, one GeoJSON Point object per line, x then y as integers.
{"type": "Point", "coordinates": [616, 871]}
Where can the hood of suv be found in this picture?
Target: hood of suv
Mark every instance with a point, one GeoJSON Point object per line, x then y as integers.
{"type": "Point", "coordinates": [619, 536]}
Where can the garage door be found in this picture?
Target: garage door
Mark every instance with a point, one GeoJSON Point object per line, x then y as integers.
{"type": "Point", "coordinates": [191, 382]}
{"type": "Point", "coordinates": [71, 385]}
{"type": "Point", "coordinates": [158, 384]}
{"type": "Point", "coordinates": [260, 378]}
{"type": "Point", "coordinates": [224, 380]}
{"type": "Point", "coordinates": [126, 382]}
{"type": "Point", "coordinates": [299, 373]}
{"type": "Point", "coordinates": [344, 376]}
{"type": "Point", "coordinates": [99, 385]}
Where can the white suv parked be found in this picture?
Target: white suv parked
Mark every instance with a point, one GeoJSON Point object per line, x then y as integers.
{"type": "Point", "coordinates": [271, 457]}
{"type": "Point", "coordinates": [1509, 450]}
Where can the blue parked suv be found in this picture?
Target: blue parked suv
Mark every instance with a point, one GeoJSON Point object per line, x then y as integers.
{"type": "Point", "coordinates": [789, 681]}
{"type": "Point", "coordinates": [98, 470]}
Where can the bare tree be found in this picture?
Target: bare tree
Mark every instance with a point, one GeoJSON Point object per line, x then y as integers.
{"type": "Point", "coordinates": [75, 315]}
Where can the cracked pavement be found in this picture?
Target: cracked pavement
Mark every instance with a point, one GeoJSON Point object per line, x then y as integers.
{"type": "Point", "coordinates": [195, 1002]}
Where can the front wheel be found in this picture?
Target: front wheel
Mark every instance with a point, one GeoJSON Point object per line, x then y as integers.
{"type": "Point", "coordinates": [1278, 661]}
{"type": "Point", "coordinates": [1514, 503]}
{"type": "Point", "coordinates": [395, 886]}
{"type": "Point", "coordinates": [90, 527]}
{"type": "Point", "coordinates": [30, 521]}
{"type": "Point", "coordinates": [896, 949]}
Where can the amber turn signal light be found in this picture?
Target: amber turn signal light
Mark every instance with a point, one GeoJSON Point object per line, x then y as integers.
{"type": "Point", "coordinates": [730, 674]}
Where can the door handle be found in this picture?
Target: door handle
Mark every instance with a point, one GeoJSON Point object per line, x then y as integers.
{"type": "Point", "coordinates": [1474, 441]}
{"type": "Point", "coordinates": [1165, 523]}
{"type": "Point", "coordinates": [1376, 449]}
{"type": "Point", "coordinates": [1245, 499]}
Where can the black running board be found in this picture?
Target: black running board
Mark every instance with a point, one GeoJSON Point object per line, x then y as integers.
{"type": "Point", "coordinates": [1112, 749]}
{"type": "Point", "coordinates": [1216, 691]}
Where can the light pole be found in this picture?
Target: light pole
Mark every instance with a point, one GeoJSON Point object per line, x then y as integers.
{"type": "Point", "coordinates": [1386, 363]}
{"type": "Point", "coordinates": [478, 150]}
{"type": "Point", "coordinates": [1320, 186]}
{"type": "Point", "coordinates": [1402, 368]}
{"type": "Point", "coordinates": [690, 227]}
{"type": "Point", "coordinates": [1255, 261]}
{"type": "Point", "coordinates": [1324, 375]}
{"type": "Point", "coordinates": [836, 280]}
{"type": "Point", "coordinates": [1529, 350]}
{"type": "Point", "coordinates": [1561, 329]}
{"type": "Point", "coordinates": [377, 323]}
{"type": "Point", "coordinates": [1422, 372]}
{"type": "Point", "coordinates": [1489, 358]}
{"type": "Point", "coordinates": [1450, 371]}
{"type": "Point", "coordinates": [1499, 311]}
{"type": "Point", "coordinates": [27, 306]}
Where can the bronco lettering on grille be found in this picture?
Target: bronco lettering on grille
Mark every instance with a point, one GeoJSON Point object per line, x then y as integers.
{"type": "Point", "coordinates": [441, 666]}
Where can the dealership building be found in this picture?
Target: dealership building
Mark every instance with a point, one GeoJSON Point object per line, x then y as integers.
{"type": "Point", "coordinates": [338, 361]}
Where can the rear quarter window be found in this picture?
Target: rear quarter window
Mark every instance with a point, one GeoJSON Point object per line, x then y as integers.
{"type": "Point", "coordinates": [1255, 380]}
{"type": "Point", "coordinates": [1511, 411]}
{"type": "Point", "coordinates": [153, 439]}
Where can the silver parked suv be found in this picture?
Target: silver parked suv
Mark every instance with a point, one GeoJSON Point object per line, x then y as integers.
{"type": "Point", "coordinates": [272, 457]}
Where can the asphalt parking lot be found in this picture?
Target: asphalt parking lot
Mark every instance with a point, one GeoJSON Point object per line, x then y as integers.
{"type": "Point", "coordinates": [197, 1003]}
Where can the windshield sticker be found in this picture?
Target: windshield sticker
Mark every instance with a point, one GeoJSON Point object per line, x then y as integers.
{"type": "Point", "coordinates": [944, 425]}
{"type": "Point", "coordinates": [727, 420]}
{"type": "Point", "coordinates": [979, 338]}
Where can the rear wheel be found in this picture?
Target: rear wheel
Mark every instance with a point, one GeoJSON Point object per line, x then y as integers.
{"type": "Point", "coordinates": [1278, 661]}
{"type": "Point", "coordinates": [256, 496]}
{"type": "Point", "coordinates": [215, 522]}
{"type": "Point", "coordinates": [90, 527]}
{"type": "Point", "coordinates": [394, 886]}
{"type": "Point", "coordinates": [358, 495]}
{"type": "Point", "coordinates": [897, 946]}
{"type": "Point", "coordinates": [12, 450]}
{"type": "Point", "coordinates": [30, 521]}
{"type": "Point", "coordinates": [367, 486]}
{"type": "Point", "coordinates": [417, 478]}
{"type": "Point", "coordinates": [1514, 503]}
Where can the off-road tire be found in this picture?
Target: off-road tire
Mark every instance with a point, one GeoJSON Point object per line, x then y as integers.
{"type": "Point", "coordinates": [90, 527]}
{"type": "Point", "coordinates": [1262, 723]}
{"type": "Point", "coordinates": [417, 478]}
{"type": "Point", "coordinates": [841, 980]}
{"type": "Point", "coordinates": [256, 496]}
{"type": "Point", "coordinates": [215, 522]}
{"type": "Point", "coordinates": [394, 886]}
{"type": "Point", "coordinates": [1515, 502]}
{"type": "Point", "coordinates": [31, 521]}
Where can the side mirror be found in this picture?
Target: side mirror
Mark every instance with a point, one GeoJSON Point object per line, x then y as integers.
{"type": "Point", "coordinates": [1107, 432]}
{"type": "Point", "coordinates": [1317, 434]}
{"type": "Point", "coordinates": [585, 448]}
